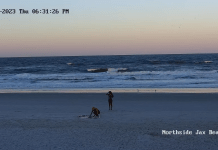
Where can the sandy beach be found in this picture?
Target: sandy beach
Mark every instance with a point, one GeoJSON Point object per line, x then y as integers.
{"type": "Point", "coordinates": [50, 121]}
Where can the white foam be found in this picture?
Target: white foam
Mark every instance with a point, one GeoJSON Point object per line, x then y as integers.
{"type": "Point", "coordinates": [91, 70]}
{"type": "Point", "coordinates": [116, 70]}
{"type": "Point", "coordinates": [97, 70]}
{"type": "Point", "coordinates": [208, 61]}
{"type": "Point", "coordinates": [112, 78]}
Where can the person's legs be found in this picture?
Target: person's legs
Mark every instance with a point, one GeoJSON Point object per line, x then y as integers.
{"type": "Point", "coordinates": [110, 104]}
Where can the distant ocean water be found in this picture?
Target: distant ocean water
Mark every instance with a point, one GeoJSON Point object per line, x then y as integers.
{"type": "Point", "coordinates": [130, 71]}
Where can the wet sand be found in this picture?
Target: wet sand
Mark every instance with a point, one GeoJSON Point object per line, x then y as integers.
{"type": "Point", "coordinates": [50, 121]}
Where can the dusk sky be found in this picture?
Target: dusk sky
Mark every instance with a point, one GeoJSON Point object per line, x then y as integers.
{"type": "Point", "coordinates": [112, 27]}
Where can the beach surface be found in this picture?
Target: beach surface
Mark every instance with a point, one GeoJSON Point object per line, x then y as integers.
{"type": "Point", "coordinates": [50, 121]}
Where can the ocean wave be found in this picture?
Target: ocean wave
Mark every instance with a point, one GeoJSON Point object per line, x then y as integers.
{"type": "Point", "coordinates": [122, 70]}
{"type": "Point", "coordinates": [97, 70]}
{"type": "Point", "coordinates": [117, 70]}
{"type": "Point", "coordinates": [70, 64]}
{"type": "Point", "coordinates": [208, 61]}
{"type": "Point", "coordinates": [113, 73]}
{"type": "Point", "coordinates": [126, 79]}
{"type": "Point", "coordinates": [203, 62]}
{"type": "Point", "coordinates": [109, 70]}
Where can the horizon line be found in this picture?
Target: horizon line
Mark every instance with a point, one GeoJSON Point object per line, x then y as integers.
{"type": "Point", "coordinates": [108, 55]}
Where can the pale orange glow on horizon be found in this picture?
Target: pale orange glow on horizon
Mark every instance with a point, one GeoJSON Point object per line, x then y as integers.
{"type": "Point", "coordinates": [109, 33]}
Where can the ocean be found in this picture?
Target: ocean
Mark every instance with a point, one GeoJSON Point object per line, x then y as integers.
{"type": "Point", "coordinates": [117, 71]}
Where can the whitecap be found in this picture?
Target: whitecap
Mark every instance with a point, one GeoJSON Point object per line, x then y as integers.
{"type": "Point", "coordinates": [208, 61]}
{"type": "Point", "coordinates": [97, 70]}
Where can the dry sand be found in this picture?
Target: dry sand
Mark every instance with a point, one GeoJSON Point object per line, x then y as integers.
{"type": "Point", "coordinates": [50, 121]}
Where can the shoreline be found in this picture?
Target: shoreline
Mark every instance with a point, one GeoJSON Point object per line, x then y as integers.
{"type": "Point", "coordinates": [115, 90]}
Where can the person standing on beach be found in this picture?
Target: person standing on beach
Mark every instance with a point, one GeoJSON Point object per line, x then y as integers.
{"type": "Point", "coordinates": [110, 96]}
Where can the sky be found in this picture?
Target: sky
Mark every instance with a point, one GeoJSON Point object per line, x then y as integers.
{"type": "Point", "coordinates": [109, 27]}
